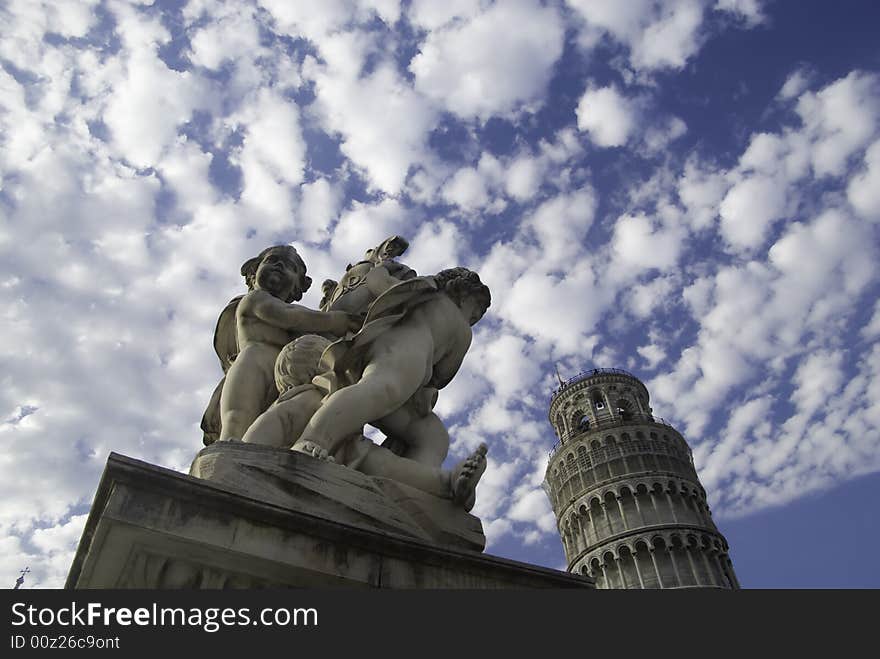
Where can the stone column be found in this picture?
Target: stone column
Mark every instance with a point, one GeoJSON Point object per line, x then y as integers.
{"type": "Point", "coordinates": [593, 523]}
{"type": "Point", "coordinates": [671, 505]}
{"type": "Point", "coordinates": [730, 573]}
{"type": "Point", "coordinates": [622, 514]}
{"type": "Point", "coordinates": [654, 505]}
{"type": "Point", "coordinates": [638, 570]}
{"type": "Point", "coordinates": [620, 571]}
{"type": "Point", "coordinates": [639, 509]}
{"type": "Point", "coordinates": [669, 550]}
{"type": "Point", "coordinates": [584, 532]}
{"type": "Point", "coordinates": [694, 571]}
{"type": "Point", "coordinates": [607, 518]}
{"type": "Point", "coordinates": [604, 576]}
{"type": "Point", "coordinates": [708, 568]}
{"type": "Point", "coordinates": [656, 568]}
{"type": "Point", "coordinates": [722, 573]}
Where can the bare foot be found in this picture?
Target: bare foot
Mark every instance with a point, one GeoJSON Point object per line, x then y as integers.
{"type": "Point", "coordinates": [465, 476]}
{"type": "Point", "coordinates": [312, 449]}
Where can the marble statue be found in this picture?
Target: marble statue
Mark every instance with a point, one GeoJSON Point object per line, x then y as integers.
{"type": "Point", "coordinates": [414, 338]}
{"type": "Point", "coordinates": [299, 399]}
{"type": "Point", "coordinates": [265, 321]}
{"type": "Point", "coordinates": [328, 287]}
{"type": "Point", "coordinates": [354, 292]}
{"type": "Point", "coordinates": [382, 345]}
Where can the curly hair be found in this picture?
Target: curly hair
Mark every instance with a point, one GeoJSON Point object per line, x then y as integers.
{"type": "Point", "coordinates": [249, 268]}
{"type": "Point", "coordinates": [460, 282]}
{"type": "Point", "coordinates": [299, 361]}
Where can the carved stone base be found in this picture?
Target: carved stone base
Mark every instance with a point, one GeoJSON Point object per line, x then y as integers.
{"type": "Point", "coordinates": [299, 482]}
{"type": "Point", "coordinates": [151, 527]}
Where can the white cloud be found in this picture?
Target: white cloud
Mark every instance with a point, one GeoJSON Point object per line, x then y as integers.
{"type": "Point", "coordinates": [495, 63]}
{"type": "Point", "coordinates": [643, 299]}
{"type": "Point", "coordinates": [148, 106]}
{"type": "Point", "coordinates": [700, 190]}
{"type": "Point", "coordinates": [438, 244]}
{"type": "Point", "coordinates": [532, 507]}
{"type": "Point", "coordinates": [863, 191]}
{"type": "Point", "coordinates": [430, 14]}
{"type": "Point", "coordinates": [750, 11]}
{"type": "Point", "coordinates": [795, 84]}
{"type": "Point", "coordinates": [872, 329]}
{"type": "Point", "coordinates": [467, 190]}
{"type": "Point", "coordinates": [524, 177]}
{"type": "Point", "coordinates": [318, 209]}
{"type": "Point", "coordinates": [840, 119]}
{"type": "Point", "coordinates": [658, 35]}
{"type": "Point", "coordinates": [561, 224]}
{"type": "Point", "coordinates": [366, 226]}
{"type": "Point", "coordinates": [185, 169]}
{"type": "Point", "coordinates": [231, 36]}
{"type": "Point", "coordinates": [559, 310]}
{"type": "Point", "coordinates": [672, 39]}
{"type": "Point", "coordinates": [749, 209]}
{"type": "Point", "coordinates": [652, 354]}
{"type": "Point", "coordinates": [817, 379]}
{"type": "Point", "coordinates": [761, 313]}
{"type": "Point", "coordinates": [383, 122]}
{"type": "Point", "coordinates": [639, 245]}
{"type": "Point", "coordinates": [660, 136]}
{"type": "Point", "coordinates": [607, 115]}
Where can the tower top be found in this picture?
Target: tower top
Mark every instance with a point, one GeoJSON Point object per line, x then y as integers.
{"type": "Point", "coordinates": [595, 376]}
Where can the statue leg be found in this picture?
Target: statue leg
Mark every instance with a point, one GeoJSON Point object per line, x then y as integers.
{"type": "Point", "coordinates": [282, 424]}
{"type": "Point", "coordinates": [425, 437]}
{"type": "Point", "coordinates": [249, 390]}
{"type": "Point", "coordinates": [459, 484]}
{"type": "Point", "coordinates": [385, 464]}
{"type": "Point", "coordinates": [387, 382]}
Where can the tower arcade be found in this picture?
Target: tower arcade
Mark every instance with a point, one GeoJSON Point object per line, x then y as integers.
{"type": "Point", "coordinates": [629, 506]}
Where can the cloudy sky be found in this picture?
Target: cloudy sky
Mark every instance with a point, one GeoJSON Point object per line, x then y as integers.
{"type": "Point", "coordinates": [688, 189]}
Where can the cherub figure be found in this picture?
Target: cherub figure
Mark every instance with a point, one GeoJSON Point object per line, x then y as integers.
{"type": "Point", "coordinates": [299, 399]}
{"type": "Point", "coordinates": [265, 320]}
{"type": "Point", "coordinates": [415, 337]}
{"type": "Point", "coordinates": [356, 289]}
{"type": "Point", "coordinates": [328, 287]}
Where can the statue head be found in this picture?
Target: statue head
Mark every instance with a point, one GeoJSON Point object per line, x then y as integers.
{"type": "Point", "coordinates": [278, 270]}
{"type": "Point", "coordinates": [388, 249]}
{"type": "Point", "coordinates": [299, 361]}
{"type": "Point", "coordinates": [464, 287]}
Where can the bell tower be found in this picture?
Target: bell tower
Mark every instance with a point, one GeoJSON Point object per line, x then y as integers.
{"type": "Point", "coordinates": [629, 506]}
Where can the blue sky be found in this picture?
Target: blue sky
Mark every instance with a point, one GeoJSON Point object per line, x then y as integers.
{"type": "Point", "coordinates": [688, 189]}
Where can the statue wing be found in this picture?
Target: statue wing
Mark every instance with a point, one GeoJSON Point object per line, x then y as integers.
{"type": "Point", "coordinates": [211, 424]}
{"type": "Point", "coordinates": [226, 347]}
{"type": "Point", "coordinates": [226, 334]}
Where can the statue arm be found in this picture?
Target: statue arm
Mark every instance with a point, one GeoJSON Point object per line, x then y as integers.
{"type": "Point", "coordinates": [379, 280]}
{"type": "Point", "coordinates": [447, 367]}
{"type": "Point", "coordinates": [298, 318]}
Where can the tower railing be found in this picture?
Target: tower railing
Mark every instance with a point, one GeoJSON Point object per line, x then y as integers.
{"type": "Point", "coordinates": [588, 374]}
{"type": "Point", "coordinates": [612, 422]}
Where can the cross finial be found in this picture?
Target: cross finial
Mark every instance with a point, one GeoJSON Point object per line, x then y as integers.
{"type": "Point", "coordinates": [20, 579]}
{"type": "Point", "coordinates": [558, 377]}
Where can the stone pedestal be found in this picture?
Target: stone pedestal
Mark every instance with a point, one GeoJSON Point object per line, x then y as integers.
{"type": "Point", "coordinates": [263, 518]}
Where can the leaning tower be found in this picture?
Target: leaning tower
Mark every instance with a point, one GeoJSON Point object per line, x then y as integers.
{"type": "Point", "coordinates": [630, 508]}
